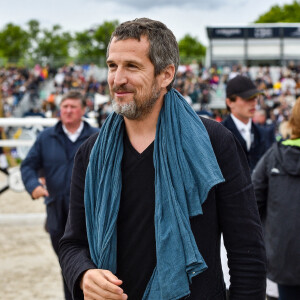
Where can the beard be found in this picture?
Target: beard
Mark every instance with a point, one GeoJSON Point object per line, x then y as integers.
{"type": "Point", "coordinates": [139, 107]}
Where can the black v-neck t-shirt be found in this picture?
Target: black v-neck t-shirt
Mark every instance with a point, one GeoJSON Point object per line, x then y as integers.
{"type": "Point", "coordinates": [136, 257]}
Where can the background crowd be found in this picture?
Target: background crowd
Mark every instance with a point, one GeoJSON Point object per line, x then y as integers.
{"type": "Point", "coordinates": [37, 91]}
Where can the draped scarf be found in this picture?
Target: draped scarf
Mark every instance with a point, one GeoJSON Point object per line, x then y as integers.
{"type": "Point", "coordinates": [185, 170]}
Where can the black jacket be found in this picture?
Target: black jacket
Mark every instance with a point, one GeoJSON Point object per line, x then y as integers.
{"type": "Point", "coordinates": [260, 141]}
{"type": "Point", "coordinates": [230, 208]}
{"type": "Point", "coordinates": [276, 180]}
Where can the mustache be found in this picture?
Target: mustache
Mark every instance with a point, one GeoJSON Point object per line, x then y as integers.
{"type": "Point", "coordinates": [121, 89]}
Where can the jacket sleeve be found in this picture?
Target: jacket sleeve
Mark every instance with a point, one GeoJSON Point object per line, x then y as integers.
{"type": "Point", "coordinates": [74, 255]}
{"type": "Point", "coordinates": [31, 166]}
{"type": "Point", "coordinates": [239, 220]}
{"type": "Point", "coordinates": [260, 182]}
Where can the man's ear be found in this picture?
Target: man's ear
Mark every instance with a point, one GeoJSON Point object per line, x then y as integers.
{"type": "Point", "coordinates": [167, 75]}
{"type": "Point", "coordinates": [228, 102]}
{"type": "Point", "coordinates": [84, 110]}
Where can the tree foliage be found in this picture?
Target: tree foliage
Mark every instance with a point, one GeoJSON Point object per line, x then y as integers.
{"type": "Point", "coordinates": [102, 35]}
{"type": "Point", "coordinates": [190, 47]}
{"type": "Point", "coordinates": [92, 44]}
{"type": "Point", "coordinates": [84, 45]}
{"type": "Point", "coordinates": [53, 45]}
{"type": "Point", "coordinates": [34, 29]}
{"type": "Point", "coordinates": [14, 42]}
{"type": "Point", "coordinates": [289, 13]}
{"type": "Point", "coordinates": [34, 44]}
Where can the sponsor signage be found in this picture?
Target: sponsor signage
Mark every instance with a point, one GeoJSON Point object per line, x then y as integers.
{"type": "Point", "coordinates": [263, 32]}
{"type": "Point", "coordinates": [226, 33]}
{"type": "Point", "coordinates": [291, 32]}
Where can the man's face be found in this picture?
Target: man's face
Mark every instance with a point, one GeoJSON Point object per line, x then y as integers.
{"type": "Point", "coordinates": [132, 83]}
{"type": "Point", "coordinates": [259, 118]}
{"type": "Point", "coordinates": [71, 112]}
{"type": "Point", "coordinates": [242, 109]}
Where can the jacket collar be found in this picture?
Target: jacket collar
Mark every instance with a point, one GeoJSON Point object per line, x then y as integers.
{"type": "Point", "coordinates": [255, 130]}
{"type": "Point", "coordinates": [232, 127]}
{"type": "Point", "coordinates": [240, 125]}
{"type": "Point", "coordinates": [58, 130]}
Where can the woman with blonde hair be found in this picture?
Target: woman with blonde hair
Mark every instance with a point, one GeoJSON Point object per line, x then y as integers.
{"type": "Point", "coordinates": [276, 181]}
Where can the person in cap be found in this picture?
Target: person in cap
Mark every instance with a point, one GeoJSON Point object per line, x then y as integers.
{"type": "Point", "coordinates": [151, 194]}
{"type": "Point", "coordinates": [241, 101]}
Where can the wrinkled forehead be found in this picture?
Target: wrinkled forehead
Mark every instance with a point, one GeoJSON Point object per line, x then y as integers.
{"type": "Point", "coordinates": [137, 40]}
{"type": "Point", "coordinates": [128, 49]}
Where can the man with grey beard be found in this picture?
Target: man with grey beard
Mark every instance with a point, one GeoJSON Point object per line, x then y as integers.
{"type": "Point", "coordinates": [134, 110]}
{"type": "Point", "coordinates": [153, 191]}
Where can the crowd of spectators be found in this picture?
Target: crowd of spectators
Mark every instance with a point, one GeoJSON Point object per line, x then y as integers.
{"type": "Point", "coordinates": [90, 80]}
{"type": "Point", "coordinates": [281, 86]}
{"type": "Point", "coordinates": [16, 82]}
{"type": "Point", "coordinates": [199, 86]}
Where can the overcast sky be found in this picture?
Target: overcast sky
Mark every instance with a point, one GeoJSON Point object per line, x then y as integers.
{"type": "Point", "coordinates": [181, 16]}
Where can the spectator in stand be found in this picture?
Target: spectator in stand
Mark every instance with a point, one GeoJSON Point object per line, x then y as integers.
{"type": "Point", "coordinates": [288, 83]}
{"type": "Point", "coordinates": [260, 118]}
{"type": "Point", "coordinates": [53, 154]}
{"type": "Point", "coordinates": [276, 181]}
{"type": "Point", "coordinates": [235, 71]}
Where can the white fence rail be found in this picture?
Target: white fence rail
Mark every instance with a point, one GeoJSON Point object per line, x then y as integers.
{"type": "Point", "coordinates": [35, 122]}
{"type": "Point", "coordinates": [30, 126]}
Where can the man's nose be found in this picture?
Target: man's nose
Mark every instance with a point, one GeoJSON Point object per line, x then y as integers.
{"type": "Point", "coordinates": [120, 77]}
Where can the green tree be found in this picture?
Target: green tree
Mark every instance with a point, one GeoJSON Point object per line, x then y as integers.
{"type": "Point", "coordinates": [288, 13]}
{"type": "Point", "coordinates": [190, 48]}
{"type": "Point", "coordinates": [33, 33]}
{"type": "Point", "coordinates": [83, 44]}
{"type": "Point", "coordinates": [34, 28]}
{"type": "Point", "coordinates": [14, 42]}
{"type": "Point", "coordinates": [53, 46]}
{"type": "Point", "coordinates": [102, 35]}
{"type": "Point", "coordinates": [92, 44]}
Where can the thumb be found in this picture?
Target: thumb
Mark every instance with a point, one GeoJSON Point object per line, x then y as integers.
{"type": "Point", "coordinates": [112, 278]}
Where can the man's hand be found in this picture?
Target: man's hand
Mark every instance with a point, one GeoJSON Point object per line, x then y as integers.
{"type": "Point", "coordinates": [38, 192]}
{"type": "Point", "coordinates": [100, 284]}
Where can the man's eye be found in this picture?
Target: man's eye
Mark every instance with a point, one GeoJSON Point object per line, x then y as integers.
{"type": "Point", "coordinates": [132, 66]}
{"type": "Point", "coordinates": [112, 66]}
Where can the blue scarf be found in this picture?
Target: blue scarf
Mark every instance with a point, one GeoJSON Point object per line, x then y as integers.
{"type": "Point", "coordinates": [185, 170]}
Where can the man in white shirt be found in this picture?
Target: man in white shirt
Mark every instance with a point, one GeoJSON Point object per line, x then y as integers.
{"type": "Point", "coordinates": [241, 100]}
{"type": "Point", "coordinates": [53, 154]}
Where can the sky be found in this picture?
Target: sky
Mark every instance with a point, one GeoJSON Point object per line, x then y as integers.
{"type": "Point", "coordinates": [181, 16]}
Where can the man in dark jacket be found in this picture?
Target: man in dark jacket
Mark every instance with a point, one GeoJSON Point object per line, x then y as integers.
{"type": "Point", "coordinates": [52, 155]}
{"type": "Point", "coordinates": [130, 196]}
{"type": "Point", "coordinates": [241, 101]}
